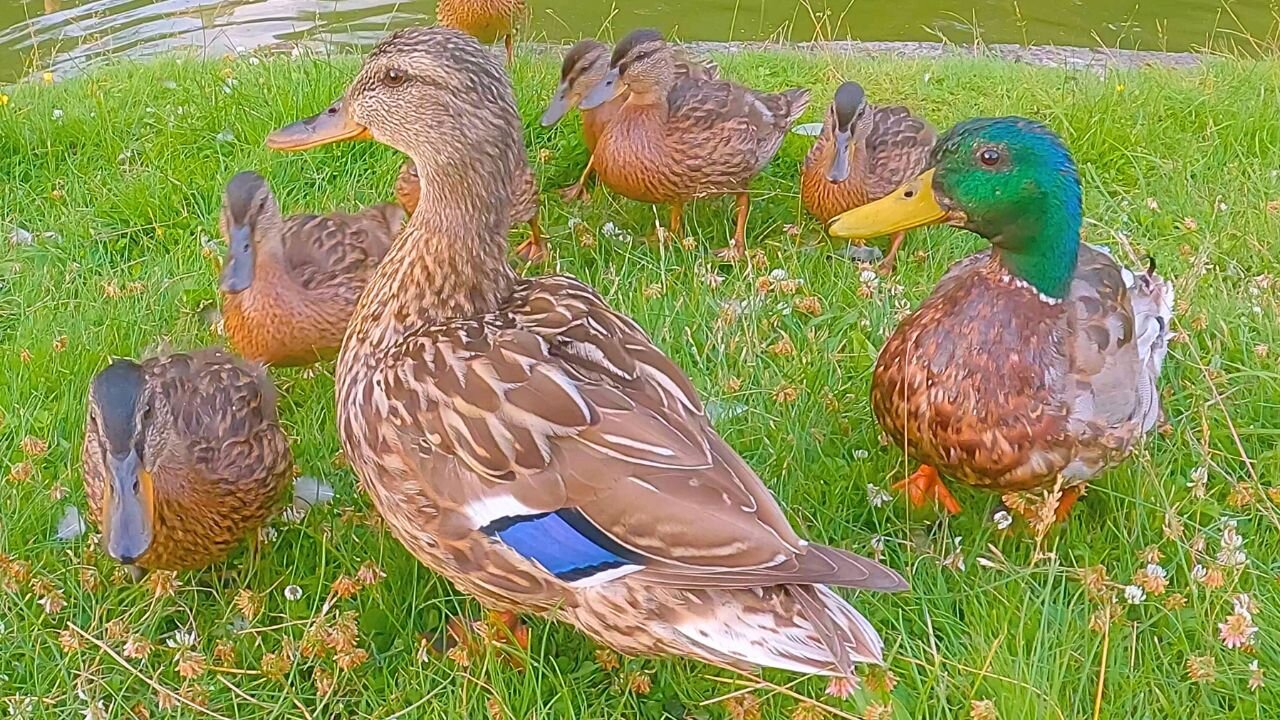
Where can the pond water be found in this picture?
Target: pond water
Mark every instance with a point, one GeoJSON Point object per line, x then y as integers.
{"type": "Point", "coordinates": [39, 34]}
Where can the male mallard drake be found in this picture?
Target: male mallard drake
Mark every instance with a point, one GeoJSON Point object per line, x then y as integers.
{"type": "Point", "coordinates": [289, 285]}
{"type": "Point", "coordinates": [585, 65]}
{"type": "Point", "coordinates": [529, 443]}
{"type": "Point", "coordinates": [863, 153]}
{"type": "Point", "coordinates": [1033, 363]}
{"type": "Point", "coordinates": [487, 20]}
{"type": "Point", "coordinates": [523, 210]}
{"type": "Point", "coordinates": [675, 140]}
{"type": "Point", "coordinates": [183, 458]}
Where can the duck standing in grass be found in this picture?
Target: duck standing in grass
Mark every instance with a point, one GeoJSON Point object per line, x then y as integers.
{"type": "Point", "coordinates": [1033, 364]}
{"type": "Point", "coordinates": [530, 443]}
{"type": "Point", "coordinates": [289, 285]}
{"type": "Point", "coordinates": [585, 65]}
{"type": "Point", "coordinates": [524, 208]}
{"type": "Point", "coordinates": [183, 458]}
{"type": "Point", "coordinates": [863, 153]}
{"type": "Point", "coordinates": [675, 140]}
{"type": "Point", "coordinates": [486, 20]}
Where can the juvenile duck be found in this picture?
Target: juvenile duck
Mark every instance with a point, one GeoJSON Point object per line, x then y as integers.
{"type": "Point", "coordinates": [183, 458]}
{"type": "Point", "coordinates": [487, 20]}
{"type": "Point", "coordinates": [530, 443]}
{"type": "Point", "coordinates": [523, 210]}
{"type": "Point", "coordinates": [289, 285]}
{"type": "Point", "coordinates": [585, 65]}
{"type": "Point", "coordinates": [863, 153]}
{"type": "Point", "coordinates": [1033, 364]}
{"type": "Point", "coordinates": [674, 140]}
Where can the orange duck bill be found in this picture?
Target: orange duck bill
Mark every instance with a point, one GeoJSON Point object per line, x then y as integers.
{"type": "Point", "coordinates": [331, 126]}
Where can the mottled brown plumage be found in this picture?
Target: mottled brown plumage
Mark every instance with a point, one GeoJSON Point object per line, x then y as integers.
{"type": "Point", "coordinates": [523, 210]}
{"type": "Point", "coordinates": [863, 153]}
{"type": "Point", "coordinates": [212, 464]}
{"type": "Point", "coordinates": [585, 64]}
{"type": "Point", "coordinates": [530, 443]}
{"type": "Point", "coordinates": [675, 140]}
{"type": "Point", "coordinates": [289, 285]}
{"type": "Point", "coordinates": [486, 20]}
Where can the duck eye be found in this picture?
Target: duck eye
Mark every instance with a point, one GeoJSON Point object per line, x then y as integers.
{"type": "Point", "coordinates": [394, 77]}
{"type": "Point", "coordinates": [989, 157]}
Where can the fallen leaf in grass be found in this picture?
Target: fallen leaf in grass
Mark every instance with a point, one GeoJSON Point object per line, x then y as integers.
{"type": "Point", "coordinates": [309, 492]}
{"type": "Point", "coordinates": [808, 129]}
{"type": "Point", "coordinates": [71, 526]}
{"type": "Point", "coordinates": [21, 237]}
{"type": "Point", "coordinates": [718, 410]}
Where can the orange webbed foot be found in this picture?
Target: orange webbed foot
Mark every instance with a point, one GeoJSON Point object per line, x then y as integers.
{"type": "Point", "coordinates": [533, 251]}
{"type": "Point", "coordinates": [924, 485]}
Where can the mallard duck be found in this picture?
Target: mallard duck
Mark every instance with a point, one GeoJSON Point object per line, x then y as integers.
{"type": "Point", "coordinates": [863, 153]}
{"type": "Point", "coordinates": [524, 209]}
{"type": "Point", "coordinates": [530, 443]}
{"type": "Point", "coordinates": [487, 20]}
{"type": "Point", "coordinates": [1033, 364]}
{"type": "Point", "coordinates": [183, 458]}
{"type": "Point", "coordinates": [288, 285]}
{"type": "Point", "coordinates": [672, 141]}
{"type": "Point", "coordinates": [585, 65]}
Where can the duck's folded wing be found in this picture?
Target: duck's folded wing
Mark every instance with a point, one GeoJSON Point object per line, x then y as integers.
{"type": "Point", "coordinates": [593, 457]}
{"type": "Point", "coordinates": [898, 146]}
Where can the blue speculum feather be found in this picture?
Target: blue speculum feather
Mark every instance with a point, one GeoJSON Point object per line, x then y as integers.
{"type": "Point", "coordinates": [564, 542]}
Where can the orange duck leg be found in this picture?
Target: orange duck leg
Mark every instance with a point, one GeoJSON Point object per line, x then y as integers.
{"type": "Point", "coordinates": [925, 485]}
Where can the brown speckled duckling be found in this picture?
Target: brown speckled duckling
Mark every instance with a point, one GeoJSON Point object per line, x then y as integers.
{"type": "Point", "coordinates": [676, 140]}
{"type": "Point", "coordinates": [585, 65]}
{"type": "Point", "coordinates": [289, 285]}
{"type": "Point", "coordinates": [183, 458]}
{"type": "Point", "coordinates": [863, 153]}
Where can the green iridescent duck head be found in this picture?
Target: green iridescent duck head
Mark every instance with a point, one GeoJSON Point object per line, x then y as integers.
{"type": "Point", "coordinates": [1010, 180]}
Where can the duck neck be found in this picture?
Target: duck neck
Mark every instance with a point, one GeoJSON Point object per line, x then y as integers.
{"type": "Point", "coordinates": [1042, 250]}
{"type": "Point", "coordinates": [449, 262]}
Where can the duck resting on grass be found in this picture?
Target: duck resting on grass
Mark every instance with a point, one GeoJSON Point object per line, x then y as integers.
{"type": "Point", "coordinates": [530, 443]}
{"type": "Point", "coordinates": [584, 66]}
{"type": "Point", "coordinates": [183, 458]}
{"type": "Point", "coordinates": [1033, 364]}
{"type": "Point", "coordinates": [289, 285]}
{"type": "Point", "coordinates": [674, 140]}
{"type": "Point", "coordinates": [863, 153]}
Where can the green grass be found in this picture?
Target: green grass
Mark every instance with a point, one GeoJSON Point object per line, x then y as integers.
{"type": "Point", "coordinates": [130, 179]}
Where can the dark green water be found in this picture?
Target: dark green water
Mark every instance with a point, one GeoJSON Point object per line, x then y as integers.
{"type": "Point", "coordinates": [63, 34]}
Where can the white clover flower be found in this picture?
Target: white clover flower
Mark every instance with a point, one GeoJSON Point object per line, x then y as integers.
{"type": "Point", "coordinates": [1003, 520]}
{"type": "Point", "coordinates": [293, 593]}
{"type": "Point", "coordinates": [1134, 594]}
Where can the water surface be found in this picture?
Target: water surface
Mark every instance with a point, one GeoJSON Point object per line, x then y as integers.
{"type": "Point", "coordinates": [64, 34]}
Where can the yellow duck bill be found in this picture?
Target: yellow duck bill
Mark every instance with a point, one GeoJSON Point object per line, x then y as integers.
{"type": "Point", "coordinates": [331, 126]}
{"type": "Point", "coordinates": [912, 205]}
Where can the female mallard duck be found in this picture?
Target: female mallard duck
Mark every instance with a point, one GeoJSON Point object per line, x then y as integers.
{"type": "Point", "coordinates": [289, 285]}
{"type": "Point", "coordinates": [183, 458]}
{"type": "Point", "coordinates": [675, 140]}
{"type": "Point", "coordinates": [524, 209]}
{"type": "Point", "coordinates": [1033, 363]}
{"type": "Point", "coordinates": [863, 153]}
{"type": "Point", "coordinates": [531, 444]}
{"type": "Point", "coordinates": [487, 20]}
{"type": "Point", "coordinates": [585, 65]}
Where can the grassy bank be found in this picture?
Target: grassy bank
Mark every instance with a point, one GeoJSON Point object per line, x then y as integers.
{"type": "Point", "coordinates": [117, 179]}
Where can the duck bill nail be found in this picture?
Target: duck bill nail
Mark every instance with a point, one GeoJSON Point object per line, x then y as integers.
{"type": "Point", "coordinates": [556, 110]}
{"type": "Point", "coordinates": [331, 126]}
{"type": "Point", "coordinates": [912, 205]}
{"type": "Point", "coordinates": [237, 274]}
{"type": "Point", "coordinates": [839, 169]}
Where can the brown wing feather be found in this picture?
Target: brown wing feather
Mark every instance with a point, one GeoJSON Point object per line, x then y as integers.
{"type": "Point", "coordinates": [897, 146]}
{"type": "Point", "coordinates": [339, 248]}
